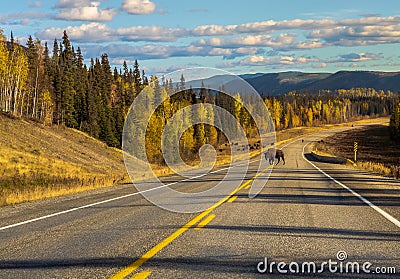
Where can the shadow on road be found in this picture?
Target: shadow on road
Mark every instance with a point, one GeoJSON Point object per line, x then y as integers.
{"type": "Point", "coordinates": [225, 265]}
{"type": "Point", "coordinates": [314, 232]}
{"type": "Point", "coordinates": [345, 199]}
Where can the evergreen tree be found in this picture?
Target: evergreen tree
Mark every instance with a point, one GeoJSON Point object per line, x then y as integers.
{"type": "Point", "coordinates": [67, 84]}
{"type": "Point", "coordinates": [395, 123]}
{"type": "Point", "coordinates": [107, 130]}
{"type": "Point", "coordinates": [32, 54]}
{"type": "Point", "coordinates": [12, 43]}
{"type": "Point", "coordinates": [126, 72]}
{"type": "Point", "coordinates": [81, 87]}
{"type": "Point", "coordinates": [137, 79]}
{"type": "Point", "coordinates": [203, 93]}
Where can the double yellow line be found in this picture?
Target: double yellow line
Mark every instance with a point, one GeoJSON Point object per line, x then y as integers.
{"type": "Point", "coordinates": [149, 254]}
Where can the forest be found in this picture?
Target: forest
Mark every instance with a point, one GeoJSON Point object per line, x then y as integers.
{"type": "Point", "coordinates": [57, 88]}
{"type": "Point", "coordinates": [395, 123]}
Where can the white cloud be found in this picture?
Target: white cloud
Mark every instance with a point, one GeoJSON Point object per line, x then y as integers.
{"type": "Point", "coordinates": [87, 14]}
{"type": "Point", "coordinates": [156, 51]}
{"type": "Point", "coordinates": [161, 70]}
{"type": "Point", "coordinates": [68, 4]}
{"type": "Point", "coordinates": [92, 32]}
{"type": "Point", "coordinates": [308, 44]}
{"type": "Point", "coordinates": [320, 65]}
{"type": "Point", "coordinates": [369, 32]}
{"type": "Point", "coordinates": [214, 30]}
{"type": "Point", "coordinates": [138, 7]}
{"type": "Point", "coordinates": [20, 18]}
{"type": "Point", "coordinates": [148, 51]}
{"type": "Point", "coordinates": [99, 32]}
{"type": "Point", "coordinates": [83, 10]}
{"type": "Point", "coordinates": [250, 44]}
{"type": "Point", "coordinates": [285, 60]}
{"type": "Point", "coordinates": [291, 60]}
{"type": "Point", "coordinates": [356, 57]}
{"type": "Point", "coordinates": [221, 52]}
{"type": "Point", "coordinates": [283, 42]}
{"type": "Point", "coordinates": [278, 41]}
{"type": "Point", "coordinates": [275, 61]}
{"type": "Point", "coordinates": [151, 33]}
{"type": "Point", "coordinates": [243, 51]}
{"type": "Point", "coordinates": [321, 33]}
{"type": "Point", "coordinates": [270, 26]}
{"type": "Point", "coordinates": [364, 31]}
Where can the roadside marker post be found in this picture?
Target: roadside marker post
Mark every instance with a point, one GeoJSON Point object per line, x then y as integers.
{"type": "Point", "coordinates": [355, 151]}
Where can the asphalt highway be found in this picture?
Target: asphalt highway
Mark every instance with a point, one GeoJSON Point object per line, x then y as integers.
{"type": "Point", "coordinates": [308, 212]}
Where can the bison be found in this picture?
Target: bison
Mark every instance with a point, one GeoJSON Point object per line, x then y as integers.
{"type": "Point", "coordinates": [272, 154]}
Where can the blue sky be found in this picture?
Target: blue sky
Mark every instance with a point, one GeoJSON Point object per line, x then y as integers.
{"type": "Point", "coordinates": [236, 36]}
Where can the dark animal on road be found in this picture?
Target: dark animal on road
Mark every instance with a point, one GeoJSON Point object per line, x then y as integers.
{"type": "Point", "coordinates": [278, 155]}
{"type": "Point", "coordinates": [272, 154]}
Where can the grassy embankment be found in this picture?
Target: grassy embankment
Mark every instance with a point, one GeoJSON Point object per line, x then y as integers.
{"type": "Point", "coordinates": [39, 162]}
{"type": "Point", "coordinates": [376, 151]}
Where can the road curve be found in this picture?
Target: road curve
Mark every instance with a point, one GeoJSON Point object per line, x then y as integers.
{"type": "Point", "coordinates": [304, 214]}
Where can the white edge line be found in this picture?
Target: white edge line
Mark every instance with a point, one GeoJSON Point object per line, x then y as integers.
{"type": "Point", "coordinates": [373, 206]}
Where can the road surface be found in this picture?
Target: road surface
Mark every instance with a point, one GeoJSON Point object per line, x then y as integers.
{"type": "Point", "coordinates": [306, 213]}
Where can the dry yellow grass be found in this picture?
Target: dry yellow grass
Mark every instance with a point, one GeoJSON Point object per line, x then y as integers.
{"type": "Point", "coordinates": [49, 191]}
{"type": "Point", "coordinates": [365, 165]}
{"type": "Point", "coordinates": [321, 153]}
{"type": "Point", "coordinates": [375, 167]}
{"type": "Point", "coordinates": [376, 151]}
{"type": "Point", "coordinates": [38, 162]}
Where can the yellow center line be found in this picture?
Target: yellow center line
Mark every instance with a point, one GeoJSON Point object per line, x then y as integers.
{"type": "Point", "coordinates": [232, 199]}
{"type": "Point", "coordinates": [207, 220]}
{"type": "Point", "coordinates": [247, 187]}
{"type": "Point", "coordinates": [141, 275]}
{"type": "Point", "coordinates": [158, 247]}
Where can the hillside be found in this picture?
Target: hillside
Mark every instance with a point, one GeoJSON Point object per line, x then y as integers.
{"type": "Point", "coordinates": [37, 161]}
{"type": "Point", "coordinates": [281, 83]}
{"type": "Point", "coordinates": [348, 80]}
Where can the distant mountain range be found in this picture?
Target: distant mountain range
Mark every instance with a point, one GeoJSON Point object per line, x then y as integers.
{"type": "Point", "coordinates": [282, 83]}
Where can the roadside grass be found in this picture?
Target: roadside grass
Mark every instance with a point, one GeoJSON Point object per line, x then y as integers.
{"type": "Point", "coordinates": [38, 162]}
{"type": "Point", "coordinates": [378, 168]}
{"type": "Point", "coordinates": [321, 153]}
{"type": "Point", "coordinates": [376, 151]}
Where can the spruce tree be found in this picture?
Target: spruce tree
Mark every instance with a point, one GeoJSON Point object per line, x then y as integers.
{"type": "Point", "coordinates": [137, 79]}
{"type": "Point", "coordinates": [12, 43]}
{"type": "Point", "coordinates": [394, 125]}
{"type": "Point", "coordinates": [80, 98]}
{"type": "Point", "coordinates": [67, 84]}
